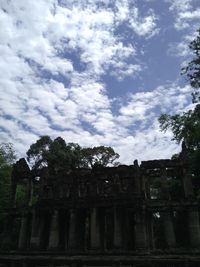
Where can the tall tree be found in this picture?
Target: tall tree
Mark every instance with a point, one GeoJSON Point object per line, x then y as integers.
{"type": "Point", "coordinates": [186, 126]}
{"type": "Point", "coordinates": [55, 154]}
{"type": "Point", "coordinates": [58, 155]}
{"type": "Point", "coordinates": [99, 156]}
{"type": "Point", "coordinates": [192, 70]}
{"type": "Point", "coordinates": [7, 157]}
{"type": "Point", "coordinates": [38, 152]}
{"type": "Point", "coordinates": [63, 156]}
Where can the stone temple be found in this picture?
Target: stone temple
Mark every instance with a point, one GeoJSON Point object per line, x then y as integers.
{"type": "Point", "coordinates": [137, 215]}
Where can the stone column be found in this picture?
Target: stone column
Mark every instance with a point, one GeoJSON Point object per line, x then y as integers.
{"type": "Point", "coordinates": [150, 230]}
{"type": "Point", "coordinates": [117, 228]}
{"type": "Point", "coordinates": [13, 193]}
{"type": "Point", "coordinates": [67, 222]}
{"type": "Point", "coordinates": [22, 242]}
{"type": "Point", "coordinates": [30, 191]}
{"type": "Point", "coordinates": [187, 179]}
{"type": "Point", "coordinates": [145, 187]}
{"type": "Point", "coordinates": [35, 231]}
{"type": "Point", "coordinates": [187, 184]}
{"type": "Point", "coordinates": [194, 230]}
{"type": "Point", "coordinates": [140, 230]}
{"type": "Point", "coordinates": [168, 229]}
{"type": "Point", "coordinates": [72, 241]}
{"type": "Point", "coordinates": [164, 194]}
{"type": "Point", "coordinates": [94, 230]}
{"type": "Point", "coordinates": [54, 231]}
{"type": "Point", "coordinates": [137, 186]}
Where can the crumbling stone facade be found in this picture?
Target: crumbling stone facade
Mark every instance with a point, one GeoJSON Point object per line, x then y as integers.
{"type": "Point", "coordinates": [137, 215]}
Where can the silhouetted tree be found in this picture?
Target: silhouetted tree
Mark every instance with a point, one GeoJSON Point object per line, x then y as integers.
{"type": "Point", "coordinates": [58, 155]}
{"type": "Point", "coordinates": [55, 154]}
{"type": "Point", "coordinates": [192, 70]}
{"type": "Point", "coordinates": [99, 156]}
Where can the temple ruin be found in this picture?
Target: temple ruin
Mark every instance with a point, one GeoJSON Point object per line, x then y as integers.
{"type": "Point", "coordinates": [136, 215]}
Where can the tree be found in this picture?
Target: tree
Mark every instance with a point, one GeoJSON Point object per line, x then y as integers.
{"type": "Point", "coordinates": [192, 70]}
{"type": "Point", "coordinates": [58, 155]}
{"type": "Point", "coordinates": [55, 154]}
{"type": "Point", "coordinates": [7, 158]}
{"type": "Point", "coordinates": [99, 156]}
{"type": "Point", "coordinates": [63, 156]}
{"type": "Point", "coordinates": [7, 154]}
{"type": "Point", "coordinates": [38, 152]}
{"type": "Point", "coordinates": [185, 127]}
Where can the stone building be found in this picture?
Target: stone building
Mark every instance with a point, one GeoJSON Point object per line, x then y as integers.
{"type": "Point", "coordinates": [137, 215]}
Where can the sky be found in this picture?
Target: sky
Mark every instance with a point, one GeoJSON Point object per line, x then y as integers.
{"type": "Point", "coordinates": [95, 72]}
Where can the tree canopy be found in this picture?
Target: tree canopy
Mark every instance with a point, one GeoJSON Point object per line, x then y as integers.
{"type": "Point", "coordinates": [53, 153]}
{"type": "Point", "coordinates": [59, 155]}
{"type": "Point", "coordinates": [98, 156]}
{"type": "Point", "coordinates": [7, 157]}
{"type": "Point", "coordinates": [62, 155]}
{"type": "Point", "coordinates": [186, 126]}
{"type": "Point", "coordinates": [192, 70]}
{"type": "Point", "coordinates": [37, 154]}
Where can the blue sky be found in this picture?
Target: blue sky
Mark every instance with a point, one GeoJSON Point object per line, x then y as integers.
{"type": "Point", "coordinates": [95, 72]}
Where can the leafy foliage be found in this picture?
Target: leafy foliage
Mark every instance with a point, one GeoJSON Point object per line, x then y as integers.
{"type": "Point", "coordinates": [192, 70]}
{"type": "Point", "coordinates": [55, 154]}
{"type": "Point", "coordinates": [184, 126]}
{"type": "Point", "coordinates": [62, 155]}
{"type": "Point", "coordinates": [38, 152]}
{"type": "Point", "coordinates": [59, 156]}
{"type": "Point", "coordinates": [7, 157]}
{"type": "Point", "coordinates": [99, 156]}
{"type": "Point", "coordinates": [7, 154]}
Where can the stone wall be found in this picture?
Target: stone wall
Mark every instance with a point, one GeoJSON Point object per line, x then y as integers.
{"type": "Point", "coordinates": [122, 208]}
{"type": "Point", "coordinates": [144, 209]}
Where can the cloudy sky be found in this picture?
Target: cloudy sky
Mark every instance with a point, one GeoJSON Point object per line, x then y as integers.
{"type": "Point", "coordinates": [94, 72]}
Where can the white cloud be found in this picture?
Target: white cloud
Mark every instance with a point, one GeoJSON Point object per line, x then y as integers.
{"type": "Point", "coordinates": [184, 12]}
{"type": "Point", "coordinates": [142, 108]}
{"type": "Point", "coordinates": [52, 60]}
{"type": "Point", "coordinates": [146, 26]}
{"type": "Point", "coordinates": [43, 33]}
{"type": "Point", "coordinates": [186, 19]}
{"type": "Point", "coordinates": [180, 49]}
{"type": "Point", "coordinates": [180, 5]}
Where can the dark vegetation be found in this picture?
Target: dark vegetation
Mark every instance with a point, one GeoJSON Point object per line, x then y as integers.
{"type": "Point", "coordinates": [57, 154]}
{"type": "Point", "coordinates": [186, 126]}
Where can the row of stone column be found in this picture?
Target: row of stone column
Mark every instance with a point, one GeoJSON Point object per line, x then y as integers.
{"type": "Point", "coordinates": [121, 229]}
{"type": "Point", "coordinates": [193, 225]}
{"type": "Point", "coordinates": [92, 231]}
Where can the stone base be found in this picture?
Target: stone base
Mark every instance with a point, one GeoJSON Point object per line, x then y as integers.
{"type": "Point", "coordinates": [40, 259]}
